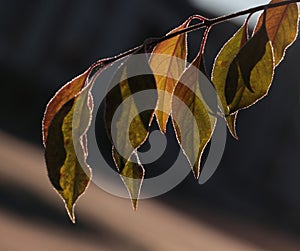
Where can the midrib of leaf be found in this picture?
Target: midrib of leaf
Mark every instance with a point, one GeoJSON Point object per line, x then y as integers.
{"type": "Point", "coordinates": [277, 27]}
{"type": "Point", "coordinates": [281, 19]}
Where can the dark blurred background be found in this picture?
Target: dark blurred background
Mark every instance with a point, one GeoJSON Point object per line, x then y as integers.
{"type": "Point", "coordinates": [44, 44]}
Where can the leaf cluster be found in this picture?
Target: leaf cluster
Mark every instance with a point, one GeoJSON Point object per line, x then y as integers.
{"type": "Point", "coordinates": [242, 74]}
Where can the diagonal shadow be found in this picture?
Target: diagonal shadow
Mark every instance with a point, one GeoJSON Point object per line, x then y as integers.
{"type": "Point", "coordinates": [26, 204]}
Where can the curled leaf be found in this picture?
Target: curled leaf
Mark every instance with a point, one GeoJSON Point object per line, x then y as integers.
{"type": "Point", "coordinates": [221, 68]}
{"type": "Point", "coordinates": [66, 120]}
{"type": "Point", "coordinates": [252, 75]}
{"type": "Point", "coordinates": [65, 155]}
{"type": "Point", "coordinates": [243, 72]}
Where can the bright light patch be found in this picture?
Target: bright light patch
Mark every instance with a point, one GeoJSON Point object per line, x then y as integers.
{"type": "Point", "coordinates": [223, 7]}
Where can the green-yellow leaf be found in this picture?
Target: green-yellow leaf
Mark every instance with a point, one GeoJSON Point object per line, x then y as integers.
{"type": "Point", "coordinates": [221, 68]}
{"type": "Point", "coordinates": [282, 27]}
{"type": "Point", "coordinates": [123, 103]}
{"type": "Point", "coordinates": [132, 175]}
{"type": "Point", "coordinates": [193, 120]}
{"type": "Point", "coordinates": [126, 122]}
{"type": "Point", "coordinates": [66, 120]}
{"type": "Point", "coordinates": [250, 73]}
{"type": "Point", "coordinates": [65, 154]}
{"type": "Point", "coordinates": [168, 61]}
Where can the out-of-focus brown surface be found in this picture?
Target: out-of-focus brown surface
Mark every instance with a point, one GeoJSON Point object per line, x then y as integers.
{"type": "Point", "coordinates": [32, 217]}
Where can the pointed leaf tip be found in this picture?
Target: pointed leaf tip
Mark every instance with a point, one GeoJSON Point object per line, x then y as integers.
{"type": "Point", "coordinates": [65, 123]}
{"type": "Point", "coordinates": [231, 123]}
{"type": "Point", "coordinates": [193, 121]}
{"type": "Point", "coordinates": [130, 128]}
{"type": "Point", "coordinates": [65, 157]}
{"type": "Point", "coordinates": [132, 175]}
{"type": "Point", "coordinates": [70, 211]}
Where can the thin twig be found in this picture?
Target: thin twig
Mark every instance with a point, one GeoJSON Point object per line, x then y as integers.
{"type": "Point", "coordinates": [218, 20]}
{"type": "Point", "coordinates": [205, 23]}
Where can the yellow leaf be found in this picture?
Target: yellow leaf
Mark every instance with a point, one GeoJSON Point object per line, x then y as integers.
{"type": "Point", "coordinates": [168, 61]}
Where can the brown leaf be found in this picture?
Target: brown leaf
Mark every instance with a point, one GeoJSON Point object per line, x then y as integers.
{"type": "Point", "coordinates": [66, 120]}
{"type": "Point", "coordinates": [282, 27]}
{"type": "Point", "coordinates": [62, 96]}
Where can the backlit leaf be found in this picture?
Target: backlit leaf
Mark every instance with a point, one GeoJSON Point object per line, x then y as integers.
{"type": "Point", "coordinates": [66, 93]}
{"type": "Point", "coordinates": [250, 73]}
{"type": "Point", "coordinates": [66, 120]}
{"type": "Point", "coordinates": [282, 27]}
{"type": "Point", "coordinates": [126, 121]}
{"type": "Point", "coordinates": [65, 154]}
{"type": "Point", "coordinates": [221, 68]}
{"type": "Point", "coordinates": [193, 119]}
{"type": "Point", "coordinates": [231, 124]}
{"type": "Point", "coordinates": [168, 61]}
{"type": "Point", "coordinates": [132, 175]}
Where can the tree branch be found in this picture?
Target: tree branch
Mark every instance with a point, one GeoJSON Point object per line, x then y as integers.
{"type": "Point", "coordinates": [218, 20]}
{"type": "Point", "coordinates": [204, 23]}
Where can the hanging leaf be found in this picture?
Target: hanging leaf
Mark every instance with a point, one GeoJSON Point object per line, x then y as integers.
{"type": "Point", "coordinates": [242, 75]}
{"type": "Point", "coordinates": [66, 120]}
{"type": "Point", "coordinates": [282, 27]}
{"type": "Point", "coordinates": [124, 106]}
{"type": "Point", "coordinates": [221, 68]}
{"type": "Point", "coordinates": [192, 117]}
{"type": "Point", "coordinates": [168, 61]}
{"type": "Point", "coordinates": [131, 125]}
{"type": "Point", "coordinates": [249, 77]}
{"type": "Point", "coordinates": [65, 155]}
